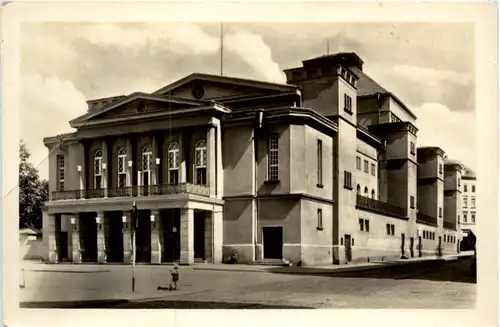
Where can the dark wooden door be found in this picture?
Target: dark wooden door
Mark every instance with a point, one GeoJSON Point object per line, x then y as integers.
{"type": "Point", "coordinates": [63, 246]}
{"type": "Point", "coordinates": [171, 230]}
{"type": "Point", "coordinates": [348, 248]}
{"type": "Point", "coordinates": [273, 242]}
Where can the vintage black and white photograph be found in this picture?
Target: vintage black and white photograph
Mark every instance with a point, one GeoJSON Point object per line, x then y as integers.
{"type": "Point", "coordinates": [249, 165]}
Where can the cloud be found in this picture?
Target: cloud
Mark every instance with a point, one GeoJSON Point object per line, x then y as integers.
{"type": "Point", "coordinates": [47, 105]}
{"type": "Point", "coordinates": [453, 131]}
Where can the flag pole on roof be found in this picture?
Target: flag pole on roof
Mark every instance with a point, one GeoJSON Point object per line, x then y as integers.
{"type": "Point", "coordinates": [221, 48]}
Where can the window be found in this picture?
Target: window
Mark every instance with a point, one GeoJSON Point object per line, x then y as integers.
{"type": "Point", "coordinates": [473, 217]}
{"type": "Point", "coordinates": [473, 202]}
{"type": "Point", "coordinates": [320, 163]}
{"type": "Point", "coordinates": [412, 202]}
{"type": "Point", "coordinates": [425, 234]}
{"type": "Point", "coordinates": [98, 169]}
{"type": "Point", "coordinates": [366, 192]}
{"type": "Point", "coordinates": [465, 217]}
{"type": "Point", "coordinates": [60, 173]}
{"type": "Point", "coordinates": [465, 201]}
{"type": "Point", "coordinates": [347, 180]}
{"type": "Point", "coordinates": [273, 159]}
{"type": "Point", "coordinates": [392, 230]}
{"type": "Point", "coordinates": [320, 219]}
{"type": "Point", "coordinates": [458, 219]}
{"type": "Point", "coordinates": [373, 194]}
{"type": "Point", "coordinates": [367, 225]}
{"type": "Point", "coordinates": [358, 163]}
{"type": "Point", "coordinates": [473, 188]}
{"type": "Point", "coordinates": [366, 166]}
{"type": "Point", "coordinates": [440, 212]}
{"type": "Point", "coordinates": [347, 104]}
{"type": "Point", "coordinates": [465, 187]}
{"type": "Point", "coordinates": [361, 224]}
{"type": "Point", "coordinates": [122, 164]}
{"type": "Point", "coordinates": [459, 182]}
{"type": "Point", "coordinates": [440, 169]}
{"type": "Point", "coordinates": [373, 169]}
{"type": "Point", "coordinates": [358, 190]}
{"type": "Point", "coordinates": [173, 163]}
{"type": "Point", "coordinates": [412, 148]}
{"type": "Point", "coordinates": [147, 153]}
{"type": "Point", "coordinates": [200, 162]}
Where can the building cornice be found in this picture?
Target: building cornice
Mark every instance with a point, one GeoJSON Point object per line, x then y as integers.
{"type": "Point", "coordinates": [430, 151]}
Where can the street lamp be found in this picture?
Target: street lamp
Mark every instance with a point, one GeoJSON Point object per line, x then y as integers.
{"type": "Point", "coordinates": [79, 168]}
{"type": "Point", "coordinates": [130, 163]}
{"type": "Point", "coordinates": [157, 161]}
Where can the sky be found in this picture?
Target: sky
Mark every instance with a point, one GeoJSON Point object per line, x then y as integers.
{"type": "Point", "coordinates": [429, 66]}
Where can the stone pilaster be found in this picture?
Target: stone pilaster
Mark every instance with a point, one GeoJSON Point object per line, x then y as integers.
{"type": "Point", "coordinates": [128, 169]}
{"type": "Point", "coordinates": [187, 236]}
{"type": "Point", "coordinates": [102, 237]}
{"type": "Point", "coordinates": [127, 237]}
{"type": "Point", "coordinates": [154, 167]}
{"type": "Point", "coordinates": [53, 239]}
{"type": "Point", "coordinates": [217, 234]}
{"type": "Point", "coordinates": [156, 237]}
{"type": "Point", "coordinates": [211, 161]}
{"type": "Point", "coordinates": [83, 167]}
{"type": "Point", "coordinates": [105, 167]}
{"type": "Point", "coordinates": [75, 238]}
{"type": "Point", "coordinates": [182, 160]}
{"type": "Point", "coordinates": [219, 168]}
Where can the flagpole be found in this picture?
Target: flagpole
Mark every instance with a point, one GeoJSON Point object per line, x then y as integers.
{"type": "Point", "coordinates": [134, 228]}
{"type": "Point", "coordinates": [221, 48]}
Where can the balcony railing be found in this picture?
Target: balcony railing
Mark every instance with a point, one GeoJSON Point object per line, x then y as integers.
{"type": "Point", "coordinates": [425, 219]}
{"type": "Point", "coordinates": [449, 225]}
{"type": "Point", "coordinates": [132, 191]}
{"type": "Point", "coordinates": [379, 206]}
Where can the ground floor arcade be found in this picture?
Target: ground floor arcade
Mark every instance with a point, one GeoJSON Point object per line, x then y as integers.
{"type": "Point", "coordinates": [182, 235]}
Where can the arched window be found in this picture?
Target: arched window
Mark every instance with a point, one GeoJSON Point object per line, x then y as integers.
{"type": "Point", "coordinates": [373, 194]}
{"type": "Point", "coordinates": [122, 166]}
{"type": "Point", "coordinates": [98, 169]}
{"type": "Point", "coordinates": [146, 165]}
{"type": "Point", "coordinates": [358, 190]}
{"type": "Point", "coordinates": [173, 163]}
{"type": "Point", "coordinates": [366, 191]}
{"type": "Point", "coordinates": [200, 162]}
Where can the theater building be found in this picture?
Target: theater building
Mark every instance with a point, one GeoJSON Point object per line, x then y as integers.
{"type": "Point", "coordinates": [323, 169]}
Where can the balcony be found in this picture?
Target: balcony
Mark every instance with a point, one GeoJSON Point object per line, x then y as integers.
{"type": "Point", "coordinates": [132, 191]}
{"type": "Point", "coordinates": [426, 220]}
{"type": "Point", "coordinates": [449, 225]}
{"type": "Point", "coordinates": [380, 207]}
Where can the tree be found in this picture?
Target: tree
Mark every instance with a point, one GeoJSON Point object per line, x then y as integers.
{"type": "Point", "coordinates": [33, 192]}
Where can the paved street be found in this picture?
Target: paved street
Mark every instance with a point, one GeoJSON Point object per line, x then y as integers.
{"type": "Point", "coordinates": [438, 284]}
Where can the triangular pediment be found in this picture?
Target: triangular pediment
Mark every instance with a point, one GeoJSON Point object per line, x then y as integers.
{"type": "Point", "coordinates": [219, 88]}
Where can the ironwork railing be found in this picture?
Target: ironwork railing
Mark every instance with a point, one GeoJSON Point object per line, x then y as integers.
{"type": "Point", "coordinates": [449, 225]}
{"type": "Point", "coordinates": [132, 191]}
{"type": "Point", "coordinates": [426, 219]}
{"type": "Point", "coordinates": [379, 206]}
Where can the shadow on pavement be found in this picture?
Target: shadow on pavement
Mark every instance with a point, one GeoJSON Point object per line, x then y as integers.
{"type": "Point", "coordinates": [157, 304]}
{"type": "Point", "coordinates": [462, 270]}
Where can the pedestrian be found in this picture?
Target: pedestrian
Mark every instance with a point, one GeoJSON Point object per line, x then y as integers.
{"type": "Point", "coordinates": [175, 278]}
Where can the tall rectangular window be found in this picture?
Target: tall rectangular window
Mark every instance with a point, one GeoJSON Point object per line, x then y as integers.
{"type": "Point", "coordinates": [122, 164]}
{"type": "Point", "coordinates": [320, 219]}
{"type": "Point", "coordinates": [361, 224]}
{"type": "Point", "coordinates": [273, 159]}
{"type": "Point", "coordinates": [412, 202]}
{"type": "Point", "coordinates": [440, 169]}
{"type": "Point", "coordinates": [465, 217]}
{"type": "Point", "coordinates": [373, 169]}
{"type": "Point", "coordinates": [320, 162]}
{"type": "Point", "coordinates": [465, 201]}
{"type": "Point", "coordinates": [347, 103]}
{"type": "Point", "coordinates": [60, 173]}
{"type": "Point", "coordinates": [367, 225]}
{"type": "Point", "coordinates": [366, 166]}
{"type": "Point", "coordinates": [358, 163]}
{"type": "Point", "coordinates": [412, 148]}
{"type": "Point", "coordinates": [473, 188]}
{"type": "Point", "coordinates": [347, 180]}
{"type": "Point", "coordinates": [459, 182]}
{"type": "Point", "coordinates": [473, 217]}
{"type": "Point", "coordinates": [440, 212]}
{"type": "Point", "coordinates": [473, 202]}
{"type": "Point", "coordinates": [465, 187]}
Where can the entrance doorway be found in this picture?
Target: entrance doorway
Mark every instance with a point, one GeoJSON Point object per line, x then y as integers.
{"type": "Point", "coordinates": [88, 232]}
{"type": "Point", "coordinates": [348, 248]}
{"type": "Point", "coordinates": [115, 236]}
{"type": "Point", "coordinates": [199, 235]}
{"type": "Point", "coordinates": [171, 235]}
{"type": "Point", "coordinates": [273, 242]}
{"type": "Point", "coordinates": [63, 246]}
{"type": "Point", "coordinates": [143, 237]}
{"type": "Point", "coordinates": [412, 240]}
{"type": "Point", "coordinates": [420, 246]}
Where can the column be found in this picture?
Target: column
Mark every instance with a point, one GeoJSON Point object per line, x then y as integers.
{"type": "Point", "coordinates": [182, 159]}
{"type": "Point", "coordinates": [102, 237]}
{"type": "Point", "coordinates": [127, 236]}
{"type": "Point", "coordinates": [105, 167]}
{"type": "Point", "coordinates": [155, 167]}
{"type": "Point", "coordinates": [75, 238]}
{"type": "Point", "coordinates": [128, 170]}
{"type": "Point", "coordinates": [211, 162]}
{"type": "Point", "coordinates": [219, 168]}
{"type": "Point", "coordinates": [53, 239]}
{"type": "Point", "coordinates": [187, 236]}
{"type": "Point", "coordinates": [81, 169]}
{"type": "Point", "coordinates": [156, 237]}
{"type": "Point", "coordinates": [217, 234]}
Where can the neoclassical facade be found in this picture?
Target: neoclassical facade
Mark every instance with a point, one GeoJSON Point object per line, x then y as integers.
{"type": "Point", "coordinates": [322, 169]}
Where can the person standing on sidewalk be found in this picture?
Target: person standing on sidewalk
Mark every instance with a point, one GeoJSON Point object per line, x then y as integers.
{"type": "Point", "coordinates": [175, 277]}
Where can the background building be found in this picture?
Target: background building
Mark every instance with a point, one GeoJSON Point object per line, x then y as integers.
{"type": "Point", "coordinates": [322, 169]}
{"type": "Point", "coordinates": [469, 201]}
